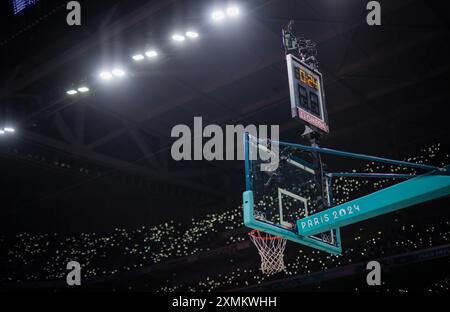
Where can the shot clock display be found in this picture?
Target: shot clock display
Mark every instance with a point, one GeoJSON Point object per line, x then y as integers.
{"type": "Point", "coordinates": [307, 98]}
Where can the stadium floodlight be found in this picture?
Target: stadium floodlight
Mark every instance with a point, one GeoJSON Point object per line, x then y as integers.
{"type": "Point", "coordinates": [218, 15]}
{"type": "Point", "coordinates": [151, 54]}
{"type": "Point", "coordinates": [192, 34]}
{"type": "Point", "coordinates": [118, 72]}
{"type": "Point", "coordinates": [106, 75]}
{"type": "Point", "coordinates": [9, 130]}
{"type": "Point", "coordinates": [83, 89]}
{"type": "Point", "coordinates": [2, 132]}
{"type": "Point", "coordinates": [178, 38]}
{"type": "Point", "coordinates": [72, 92]}
{"type": "Point", "coordinates": [138, 57]}
{"type": "Point", "coordinates": [233, 11]}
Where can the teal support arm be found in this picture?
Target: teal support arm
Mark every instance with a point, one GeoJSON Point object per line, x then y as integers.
{"type": "Point", "coordinates": [399, 196]}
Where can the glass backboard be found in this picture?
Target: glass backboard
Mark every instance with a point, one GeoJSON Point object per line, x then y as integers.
{"type": "Point", "coordinates": [285, 191]}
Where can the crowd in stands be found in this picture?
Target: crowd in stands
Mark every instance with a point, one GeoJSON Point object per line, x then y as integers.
{"type": "Point", "coordinates": [29, 257]}
{"type": "Point", "coordinates": [441, 286]}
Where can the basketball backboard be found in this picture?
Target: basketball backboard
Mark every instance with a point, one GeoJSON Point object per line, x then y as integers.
{"type": "Point", "coordinates": [296, 188]}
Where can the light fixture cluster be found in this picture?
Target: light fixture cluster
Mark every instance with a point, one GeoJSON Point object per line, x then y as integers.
{"type": "Point", "coordinates": [108, 75]}
{"type": "Point", "coordinates": [7, 130]}
{"type": "Point", "coordinates": [219, 15]}
{"type": "Point", "coordinates": [81, 89]}
{"type": "Point", "coordinates": [177, 37]}
{"type": "Point", "coordinates": [189, 34]}
{"type": "Point", "coordinates": [150, 54]}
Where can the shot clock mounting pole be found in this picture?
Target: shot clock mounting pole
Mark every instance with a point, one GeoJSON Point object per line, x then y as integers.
{"type": "Point", "coordinates": [305, 49]}
{"type": "Point", "coordinates": [307, 95]}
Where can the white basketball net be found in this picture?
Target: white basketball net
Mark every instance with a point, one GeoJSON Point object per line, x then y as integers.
{"type": "Point", "coordinates": [271, 249]}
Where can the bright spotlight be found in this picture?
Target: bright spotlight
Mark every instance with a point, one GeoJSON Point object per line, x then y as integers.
{"type": "Point", "coordinates": [72, 92]}
{"type": "Point", "coordinates": [83, 89]}
{"type": "Point", "coordinates": [151, 54]}
{"type": "Point", "coordinates": [118, 72]}
{"type": "Point", "coordinates": [178, 38]}
{"type": "Point", "coordinates": [138, 57]}
{"type": "Point", "coordinates": [9, 130]}
{"type": "Point", "coordinates": [106, 75]}
{"type": "Point", "coordinates": [218, 15]}
{"type": "Point", "coordinates": [233, 11]}
{"type": "Point", "coordinates": [192, 34]}
{"type": "Point", "coordinates": [2, 132]}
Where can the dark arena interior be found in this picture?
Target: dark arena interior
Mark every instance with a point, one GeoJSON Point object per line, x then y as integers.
{"type": "Point", "coordinates": [89, 113]}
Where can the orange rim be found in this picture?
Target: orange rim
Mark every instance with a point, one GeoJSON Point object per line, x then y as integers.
{"type": "Point", "coordinates": [257, 234]}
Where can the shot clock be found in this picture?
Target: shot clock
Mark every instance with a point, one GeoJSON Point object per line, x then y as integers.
{"type": "Point", "coordinates": [307, 96]}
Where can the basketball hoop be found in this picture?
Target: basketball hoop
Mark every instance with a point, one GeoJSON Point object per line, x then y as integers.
{"type": "Point", "coordinates": [271, 249]}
